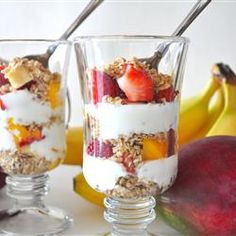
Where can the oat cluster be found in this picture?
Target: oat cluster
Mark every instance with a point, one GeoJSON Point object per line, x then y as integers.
{"type": "Point", "coordinates": [18, 163]}
{"type": "Point", "coordinates": [132, 187]}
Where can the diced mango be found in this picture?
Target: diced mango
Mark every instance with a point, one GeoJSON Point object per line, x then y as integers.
{"type": "Point", "coordinates": [53, 92]}
{"type": "Point", "coordinates": [19, 132]}
{"type": "Point", "coordinates": [18, 77]}
{"type": "Point", "coordinates": [154, 149]}
{"type": "Point", "coordinates": [22, 135]}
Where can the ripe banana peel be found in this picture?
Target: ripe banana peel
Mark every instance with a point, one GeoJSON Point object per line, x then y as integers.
{"type": "Point", "coordinates": [199, 113]}
{"type": "Point", "coordinates": [194, 112]}
{"type": "Point", "coordinates": [225, 124]}
{"type": "Point", "coordinates": [74, 141]}
{"type": "Point", "coordinates": [84, 190]}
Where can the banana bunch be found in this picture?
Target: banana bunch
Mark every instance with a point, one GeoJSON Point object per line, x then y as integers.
{"type": "Point", "coordinates": [213, 110]}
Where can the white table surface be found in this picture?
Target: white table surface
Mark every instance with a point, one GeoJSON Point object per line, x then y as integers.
{"type": "Point", "coordinates": [88, 218]}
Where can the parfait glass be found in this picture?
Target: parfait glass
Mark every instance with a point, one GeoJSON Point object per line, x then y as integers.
{"type": "Point", "coordinates": [130, 123]}
{"type": "Point", "coordinates": [32, 127]}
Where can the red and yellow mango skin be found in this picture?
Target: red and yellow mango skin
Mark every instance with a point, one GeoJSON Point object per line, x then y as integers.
{"type": "Point", "coordinates": [203, 199]}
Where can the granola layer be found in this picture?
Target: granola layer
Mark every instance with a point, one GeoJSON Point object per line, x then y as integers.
{"type": "Point", "coordinates": [19, 163]}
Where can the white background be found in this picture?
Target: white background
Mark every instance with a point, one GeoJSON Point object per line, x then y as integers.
{"type": "Point", "coordinates": [212, 35]}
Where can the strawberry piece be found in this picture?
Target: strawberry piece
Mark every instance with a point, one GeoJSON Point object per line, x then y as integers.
{"type": "Point", "coordinates": [2, 105]}
{"type": "Point", "coordinates": [93, 87]}
{"type": "Point", "coordinates": [167, 95]}
{"type": "Point", "coordinates": [171, 137]}
{"type": "Point", "coordinates": [100, 149]}
{"type": "Point", "coordinates": [128, 162]}
{"type": "Point", "coordinates": [2, 67]}
{"type": "Point", "coordinates": [3, 80]}
{"type": "Point", "coordinates": [105, 150]}
{"type": "Point", "coordinates": [136, 84]}
{"type": "Point", "coordinates": [102, 84]}
{"type": "Point", "coordinates": [90, 149]}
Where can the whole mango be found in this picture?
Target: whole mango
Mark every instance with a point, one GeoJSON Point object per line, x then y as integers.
{"type": "Point", "coordinates": [203, 199]}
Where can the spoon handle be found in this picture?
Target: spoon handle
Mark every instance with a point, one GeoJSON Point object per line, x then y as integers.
{"type": "Point", "coordinates": [92, 5]}
{"type": "Point", "coordinates": [194, 12]}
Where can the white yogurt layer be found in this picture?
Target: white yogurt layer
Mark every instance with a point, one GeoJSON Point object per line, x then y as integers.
{"type": "Point", "coordinates": [116, 119]}
{"type": "Point", "coordinates": [162, 171]}
{"type": "Point", "coordinates": [103, 174]}
{"type": "Point", "coordinates": [7, 141]}
{"type": "Point", "coordinates": [25, 108]}
{"type": "Point", "coordinates": [52, 146]}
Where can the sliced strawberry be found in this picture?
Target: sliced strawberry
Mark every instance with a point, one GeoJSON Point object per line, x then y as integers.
{"type": "Point", "coordinates": [166, 95]}
{"type": "Point", "coordinates": [100, 149]}
{"type": "Point", "coordinates": [102, 84]}
{"type": "Point", "coordinates": [106, 150]}
{"type": "Point", "coordinates": [93, 87]}
{"type": "Point", "coordinates": [2, 105]}
{"type": "Point", "coordinates": [128, 162]}
{"type": "Point", "coordinates": [136, 84]}
{"type": "Point", "coordinates": [171, 137]}
{"type": "Point", "coordinates": [90, 149]}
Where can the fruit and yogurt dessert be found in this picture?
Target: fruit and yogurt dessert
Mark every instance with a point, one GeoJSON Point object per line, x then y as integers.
{"type": "Point", "coordinates": [131, 119]}
{"type": "Point", "coordinates": [31, 118]}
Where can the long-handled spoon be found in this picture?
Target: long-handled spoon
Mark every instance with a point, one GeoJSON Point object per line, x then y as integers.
{"type": "Point", "coordinates": [43, 58]}
{"type": "Point", "coordinates": [162, 48]}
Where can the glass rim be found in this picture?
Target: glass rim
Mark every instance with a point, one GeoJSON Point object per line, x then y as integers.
{"type": "Point", "coordinates": [35, 41]}
{"type": "Point", "coordinates": [127, 36]}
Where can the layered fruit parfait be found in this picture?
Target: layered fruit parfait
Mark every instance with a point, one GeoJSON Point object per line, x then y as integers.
{"type": "Point", "coordinates": [131, 119]}
{"type": "Point", "coordinates": [31, 118]}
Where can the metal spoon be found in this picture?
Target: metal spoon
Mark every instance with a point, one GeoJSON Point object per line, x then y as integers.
{"type": "Point", "coordinates": [162, 48]}
{"type": "Point", "coordinates": [43, 58]}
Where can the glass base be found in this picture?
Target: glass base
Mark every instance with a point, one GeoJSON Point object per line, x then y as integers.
{"type": "Point", "coordinates": [129, 216]}
{"type": "Point", "coordinates": [34, 221]}
{"type": "Point", "coordinates": [145, 234]}
{"type": "Point", "coordinates": [29, 216]}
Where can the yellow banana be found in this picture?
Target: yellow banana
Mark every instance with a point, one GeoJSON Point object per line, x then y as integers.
{"type": "Point", "coordinates": [225, 124]}
{"type": "Point", "coordinates": [84, 190]}
{"type": "Point", "coordinates": [194, 112]}
{"type": "Point", "coordinates": [214, 110]}
{"type": "Point", "coordinates": [74, 141]}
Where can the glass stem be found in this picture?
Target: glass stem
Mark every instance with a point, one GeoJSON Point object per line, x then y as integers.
{"type": "Point", "coordinates": [130, 217]}
{"type": "Point", "coordinates": [28, 192]}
